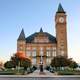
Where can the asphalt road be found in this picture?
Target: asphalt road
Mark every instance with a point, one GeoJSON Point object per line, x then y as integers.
{"type": "Point", "coordinates": [42, 78]}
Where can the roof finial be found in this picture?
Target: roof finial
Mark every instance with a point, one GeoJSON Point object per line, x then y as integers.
{"type": "Point", "coordinates": [60, 9]}
{"type": "Point", "coordinates": [41, 30]}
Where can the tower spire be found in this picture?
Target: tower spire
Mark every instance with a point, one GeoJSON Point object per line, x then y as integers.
{"type": "Point", "coordinates": [60, 9]}
{"type": "Point", "coordinates": [22, 35]}
{"type": "Point", "coordinates": [41, 30]}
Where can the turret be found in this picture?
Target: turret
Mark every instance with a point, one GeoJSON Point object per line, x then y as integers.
{"type": "Point", "coordinates": [21, 42]}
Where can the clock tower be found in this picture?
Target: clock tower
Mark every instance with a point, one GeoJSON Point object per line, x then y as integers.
{"type": "Point", "coordinates": [61, 33]}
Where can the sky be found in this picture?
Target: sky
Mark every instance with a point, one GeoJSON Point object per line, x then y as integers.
{"type": "Point", "coordinates": [32, 15]}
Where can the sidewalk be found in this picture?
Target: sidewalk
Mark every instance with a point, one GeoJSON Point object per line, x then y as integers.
{"type": "Point", "coordinates": [38, 74]}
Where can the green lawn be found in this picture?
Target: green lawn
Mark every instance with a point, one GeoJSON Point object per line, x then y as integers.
{"type": "Point", "coordinates": [7, 72]}
{"type": "Point", "coordinates": [11, 72]}
{"type": "Point", "coordinates": [68, 72]}
{"type": "Point", "coordinates": [15, 72]}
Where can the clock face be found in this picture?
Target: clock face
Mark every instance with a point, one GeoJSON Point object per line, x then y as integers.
{"type": "Point", "coordinates": [61, 19]}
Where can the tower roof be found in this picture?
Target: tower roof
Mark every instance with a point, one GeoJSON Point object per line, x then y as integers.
{"type": "Point", "coordinates": [41, 30]}
{"type": "Point", "coordinates": [22, 35]}
{"type": "Point", "coordinates": [60, 9]}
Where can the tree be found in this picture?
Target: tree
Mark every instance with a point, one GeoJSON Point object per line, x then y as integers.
{"type": "Point", "coordinates": [73, 65]}
{"type": "Point", "coordinates": [9, 64]}
{"type": "Point", "coordinates": [60, 61]}
{"type": "Point", "coordinates": [20, 60]}
{"type": "Point", "coordinates": [15, 60]}
{"type": "Point", "coordinates": [26, 63]}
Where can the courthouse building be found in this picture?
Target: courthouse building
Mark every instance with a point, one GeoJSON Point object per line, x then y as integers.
{"type": "Point", "coordinates": [43, 46]}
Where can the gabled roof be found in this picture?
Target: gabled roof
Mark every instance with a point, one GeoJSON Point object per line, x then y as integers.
{"type": "Point", "coordinates": [60, 9]}
{"type": "Point", "coordinates": [51, 38]}
{"type": "Point", "coordinates": [22, 35]}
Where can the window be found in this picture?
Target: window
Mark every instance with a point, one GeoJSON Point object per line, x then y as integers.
{"type": "Point", "coordinates": [33, 60]}
{"type": "Point", "coordinates": [41, 51]}
{"type": "Point", "coordinates": [41, 39]}
{"type": "Point", "coordinates": [54, 52]}
{"type": "Point", "coordinates": [33, 53]}
{"type": "Point", "coordinates": [48, 52]}
{"type": "Point", "coordinates": [28, 53]}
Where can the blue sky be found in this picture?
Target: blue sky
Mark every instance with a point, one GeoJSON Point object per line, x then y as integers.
{"type": "Point", "coordinates": [32, 15]}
